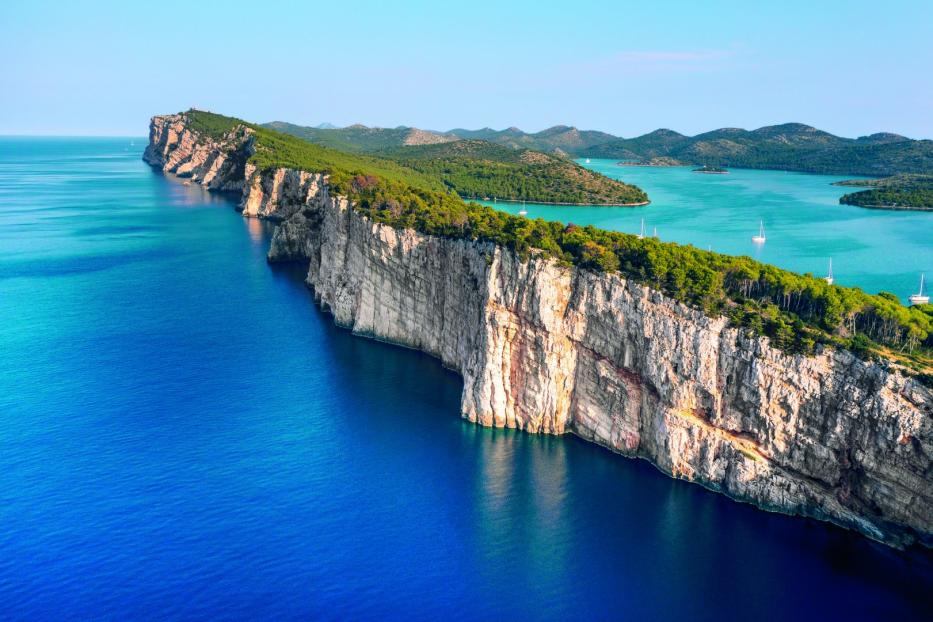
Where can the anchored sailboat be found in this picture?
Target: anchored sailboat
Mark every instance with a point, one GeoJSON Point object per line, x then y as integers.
{"type": "Point", "coordinates": [829, 277]}
{"type": "Point", "coordinates": [523, 211]}
{"type": "Point", "coordinates": [919, 298]}
{"type": "Point", "coordinates": [641, 235]}
{"type": "Point", "coordinates": [760, 238]}
{"type": "Point", "coordinates": [655, 234]}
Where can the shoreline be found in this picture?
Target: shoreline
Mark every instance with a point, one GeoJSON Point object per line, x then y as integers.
{"type": "Point", "coordinates": [652, 165]}
{"type": "Point", "coordinates": [891, 208]}
{"type": "Point", "coordinates": [641, 204]}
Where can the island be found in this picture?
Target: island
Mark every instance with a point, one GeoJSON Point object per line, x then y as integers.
{"type": "Point", "coordinates": [658, 161]}
{"type": "Point", "coordinates": [711, 170]}
{"type": "Point", "coordinates": [897, 192]}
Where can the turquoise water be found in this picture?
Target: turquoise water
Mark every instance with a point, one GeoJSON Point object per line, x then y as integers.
{"type": "Point", "coordinates": [805, 225]}
{"type": "Point", "coordinates": [184, 435]}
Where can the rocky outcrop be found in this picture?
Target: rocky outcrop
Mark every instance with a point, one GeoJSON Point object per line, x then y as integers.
{"type": "Point", "coordinates": [547, 348]}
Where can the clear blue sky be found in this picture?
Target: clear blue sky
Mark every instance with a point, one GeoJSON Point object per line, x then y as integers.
{"type": "Point", "coordinates": [851, 68]}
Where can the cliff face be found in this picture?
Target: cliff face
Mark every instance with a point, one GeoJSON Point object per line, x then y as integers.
{"type": "Point", "coordinates": [551, 349]}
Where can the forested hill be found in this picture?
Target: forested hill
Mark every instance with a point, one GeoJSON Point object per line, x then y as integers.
{"type": "Point", "coordinates": [477, 168]}
{"type": "Point", "coordinates": [359, 138]}
{"type": "Point", "coordinates": [791, 146]}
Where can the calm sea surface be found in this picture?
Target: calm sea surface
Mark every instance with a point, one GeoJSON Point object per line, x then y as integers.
{"type": "Point", "coordinates": [183, 435]}
{"type": "Point", "coordinates": [877, 250]}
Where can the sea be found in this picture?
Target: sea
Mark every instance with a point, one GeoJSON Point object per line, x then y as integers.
{"type": "Point", "coordinates": [184, 435]}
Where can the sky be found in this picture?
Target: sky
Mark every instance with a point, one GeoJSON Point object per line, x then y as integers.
{"type": "Point", "coordinates": [103, 68]}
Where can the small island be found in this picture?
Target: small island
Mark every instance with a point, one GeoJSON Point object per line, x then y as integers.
{"type": "Point", "coordinates": [659, 161]}
{"type": "Point", "coordinates": [711, 170]}
{"type": "Point", "coordinates": [898, 192]}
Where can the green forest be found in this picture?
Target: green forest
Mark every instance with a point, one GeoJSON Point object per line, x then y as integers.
{"type": "Point", "coordinates": [907, 192]}
{"type": "Point", "coordinates": [478, 169]}
{"type": "Point", "coordinates": [797, 312]}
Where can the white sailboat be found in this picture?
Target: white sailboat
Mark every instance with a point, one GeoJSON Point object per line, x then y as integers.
{"type": "Point", "coordinates": [641, 235]}
{"type": "Point", "coordinates": [523, 211]}
{"type": "Point", "coordinates": [655, 234]}
{"type": "Point", "coordinates": [829, 277]}
{"type": "Point", "coordinates": [919, 298]}
{"type": "Point", "coordinates": [587, 160]}
{"type": "Point", "coordinates": [760, 238]}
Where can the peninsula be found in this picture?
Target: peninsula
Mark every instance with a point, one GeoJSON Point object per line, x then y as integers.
{"type": "Point", "coordinates": [774, 388]}
{"type": "Point", "coordinates": [898, 192]}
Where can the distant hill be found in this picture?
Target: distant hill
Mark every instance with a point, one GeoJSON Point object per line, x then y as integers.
{"type": "Point", "coordinates": [359, 138]}
{"type": "Point", "coordinates": [478, 168]}
{"type": "Point", "coordinates": [567, 139]}
{"type": "Point", "coordinates": [789, 146]}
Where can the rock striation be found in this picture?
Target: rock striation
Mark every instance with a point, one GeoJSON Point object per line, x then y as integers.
{"type": "Point", "coordinates": [553, 349]}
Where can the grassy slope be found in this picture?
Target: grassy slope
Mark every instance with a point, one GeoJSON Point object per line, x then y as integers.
{"type": "Point", "coordinates": [795, 311]}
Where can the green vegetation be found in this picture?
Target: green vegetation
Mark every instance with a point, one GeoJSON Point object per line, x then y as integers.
{"type": "Point", "coordinates": [479, 169]}
{"type": "Point", "coordinates": [791, 147]}
{"type": "Point", "coordinates": [904, 192]}
{"type": "Point", "coordinates": [356, 138]}
{"type": "Point", "coordinates": [275, 149]}
{"type": "Point", "coordinates": [796, 311]}
{"type": "Point", "coordinates": [710, 169]}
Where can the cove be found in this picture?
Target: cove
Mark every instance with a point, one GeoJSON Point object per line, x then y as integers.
{"type": "Point", "coordinates": [805, 224]}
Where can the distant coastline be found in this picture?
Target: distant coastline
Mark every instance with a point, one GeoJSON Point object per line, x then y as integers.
{"type": "Point", "coordinates": [711, 170]}
{"type": "Point", "coordinates": [661, 162]}
{"type": "Point", "coordinates": [517, 201]}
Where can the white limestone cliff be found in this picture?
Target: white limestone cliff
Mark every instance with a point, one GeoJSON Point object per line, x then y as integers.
{"type": "Point", "coordinates": [552, 349]}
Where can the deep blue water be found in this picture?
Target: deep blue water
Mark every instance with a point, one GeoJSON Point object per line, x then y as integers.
{"type": "Point", "coordinates": [184, 435]}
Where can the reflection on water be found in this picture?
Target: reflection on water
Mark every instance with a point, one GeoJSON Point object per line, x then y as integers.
{"type": "Point", "coordinates": [254, 227]}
